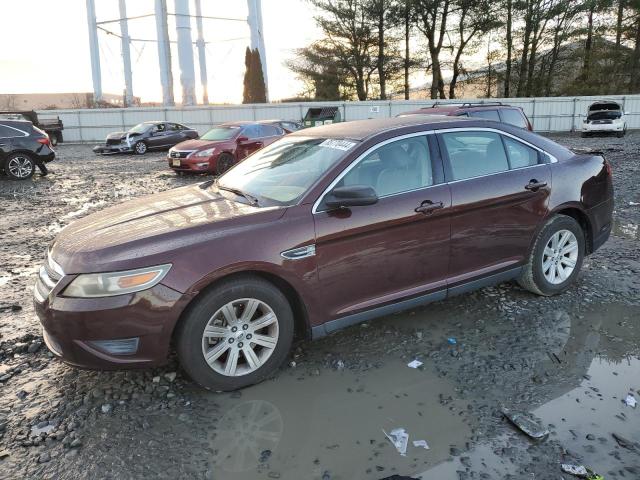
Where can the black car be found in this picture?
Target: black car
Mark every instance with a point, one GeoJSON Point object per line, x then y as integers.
{"type": "Point", "coordinates": [22, 147]}
{"type": "Point", "coordinates": [146, 136]}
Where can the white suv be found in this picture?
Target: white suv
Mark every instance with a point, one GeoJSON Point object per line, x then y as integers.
{"type": "Point", "coordinates": [604, 117]}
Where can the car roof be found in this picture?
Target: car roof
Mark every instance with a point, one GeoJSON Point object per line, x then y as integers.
{"type": "Point", "coordinates": [361, 129]}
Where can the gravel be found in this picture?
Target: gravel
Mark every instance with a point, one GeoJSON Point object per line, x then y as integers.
{"type": "Point", "coordinates": [571, 359]}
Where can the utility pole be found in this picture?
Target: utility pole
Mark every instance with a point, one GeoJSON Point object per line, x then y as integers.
{"type": "Point", "coordinates": [164, 53]}
{"type": "Point", "coordinates": [185, 53]}
{"type": "Point", "coordinates": [94, 51]}
{"type": "Point", "coordinates": [202, 56]}
{"type": "Point", "coordinates": [257, 37]}
{"type": "Point", "coordinates": [126, 54]}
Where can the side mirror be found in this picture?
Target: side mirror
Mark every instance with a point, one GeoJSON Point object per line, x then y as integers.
{"type": "Point", "coordinates": [242, 139]}
{"type": "Point", "coordinates": [351, 196]}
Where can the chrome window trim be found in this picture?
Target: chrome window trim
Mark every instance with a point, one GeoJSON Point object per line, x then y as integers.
{"type": "Point", "coordinates": [24, 134]}
{"type": "Point", "coordinates": [553, 159]}
{"type": "Point", "coordinates": [362, 156]}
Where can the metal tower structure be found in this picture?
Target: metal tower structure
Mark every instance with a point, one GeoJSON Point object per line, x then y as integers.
{"type": "Point", "coordinates": [257, 36]}
{"type": "Point", "coordinates": [184, 44]}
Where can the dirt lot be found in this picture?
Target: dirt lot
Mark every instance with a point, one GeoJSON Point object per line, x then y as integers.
{"type": "Point", "coordinates": [570, 360]}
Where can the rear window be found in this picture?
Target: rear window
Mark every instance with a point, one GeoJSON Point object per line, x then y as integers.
{"type": "Point", "coordinates": [515, 117]}
{"type": "Point", "coordinates": [474, 154]}
{"type": "Point", "coordinates": [8, 132]}
{"type": "Point", "coordinates": [487, 114]}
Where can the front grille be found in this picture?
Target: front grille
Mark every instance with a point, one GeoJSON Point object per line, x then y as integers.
{"type": "Point", "coordinates": [114, 141]}
{"type": "Point", "coordinates": [601, 122]}
{"type": "Point", "coordinates": [180, 153]}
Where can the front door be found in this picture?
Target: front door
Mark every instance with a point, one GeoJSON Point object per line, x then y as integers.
{"type": "Point", "coordinates": [398, 248]}
{"type": "Point", "coordinates": [499, 192]}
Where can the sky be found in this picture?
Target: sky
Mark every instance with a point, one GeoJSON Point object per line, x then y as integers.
{"type": "Point", "coordinates": [53, 54]}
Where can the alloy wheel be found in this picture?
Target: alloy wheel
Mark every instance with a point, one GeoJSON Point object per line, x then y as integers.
{"type": "Point", "coordinates": [240, 337]}
{"type": "Point", "coordinates": [560, 257]}
{"type": "Point", "coordinates": [141, 147]}
{"type": "Point", "coordinates": [20, 166]}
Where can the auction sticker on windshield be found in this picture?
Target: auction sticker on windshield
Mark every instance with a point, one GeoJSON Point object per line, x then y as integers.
{"type": "Point", "coordinates": [338, 144]}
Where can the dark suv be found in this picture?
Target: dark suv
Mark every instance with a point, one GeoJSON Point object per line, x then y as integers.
{"type": "Point", "coordinates": [496, 111]}
{"type": "Point", "coordinates": [22, 147]}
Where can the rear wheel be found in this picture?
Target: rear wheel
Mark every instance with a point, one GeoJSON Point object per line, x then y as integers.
{"type": "Point", "coordinates": [236, 335]}
{"type": "Point", "coordinates": [19, 166]}
{"type": "Point", "coordinates": [225, 162]}
{"type": "Point", "coordinates": [556, 257]}
{"type": "Point", "coordinates": [140, 148]}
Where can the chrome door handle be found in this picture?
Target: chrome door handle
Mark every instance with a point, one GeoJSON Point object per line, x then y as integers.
{"type": "Point", "coordinates": [428, 207]}
{"type": "Point", "coordinates": [534, 185]}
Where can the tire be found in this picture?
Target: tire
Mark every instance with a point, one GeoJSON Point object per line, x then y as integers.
{"type": "Point", "coordinates": [534, 277]}
{"type": "Point", "coordinates": [140, 147]}
{"type": "Point", "coordinates": [224, 163]}
{"type": "Point", "coordinates": [19, 166]}
{"type": "Point", "coordinates": [233, 340]}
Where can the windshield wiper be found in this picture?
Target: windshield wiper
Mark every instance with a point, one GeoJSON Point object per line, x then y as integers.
{"type": "Point", "coordinates": [252, 200]}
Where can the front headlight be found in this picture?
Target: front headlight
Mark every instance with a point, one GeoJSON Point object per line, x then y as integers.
{"type": "Point", "coordinates": [205, 153]}
{"type": "Point", "coordinates": [115, 283]}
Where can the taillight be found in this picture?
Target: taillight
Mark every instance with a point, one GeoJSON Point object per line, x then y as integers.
{"type": "Point", "coordinates": [44, 141]}
{"type": "Point", "coordinates": [607, 167]}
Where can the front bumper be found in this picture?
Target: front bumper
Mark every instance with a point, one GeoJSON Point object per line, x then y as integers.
{"type": "Point", "coordinates": [195, 164]}
{"type": "Point", "coordinates": [602, 127]}
{"type": "Point", "coordinates": [72, 326]}
{"type": "Point", "coordinates": [110, 149]}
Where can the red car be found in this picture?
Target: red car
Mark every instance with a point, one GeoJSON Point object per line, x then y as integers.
{"type": "Point", "coordinates": [496, 111]}
{"type": "Point", "coordinates": [223, 146]}
{"type": "Point", "coordinates": [325, 228]}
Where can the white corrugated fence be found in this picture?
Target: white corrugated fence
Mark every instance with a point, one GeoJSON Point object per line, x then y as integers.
{"type": "Point", "coordinates": [548, 114]}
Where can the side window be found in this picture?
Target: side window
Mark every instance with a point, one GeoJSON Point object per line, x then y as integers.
{"type": "Point", "coordinates": [520, 155]}
{"type": "Point", "coordinates": [397, 167]}
{"type": "Point", "coordinates": [268, 131]}
{"type": "Point", "coordinates": [514, 117]}
{"type": "Point", "coordinates": [252, 131]}
{"type": "Point", "coordinates": [473, 154]}
{"type": "Point", "coordinates": [6, 132]}
{"type": "Point", "coordinates": [486, 114]}
{"type": "Point", "coordinates": [172, 127]}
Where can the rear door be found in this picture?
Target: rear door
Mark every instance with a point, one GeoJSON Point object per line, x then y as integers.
{"type": "Point", "coordinates": [499, 191]}
{"type": "Point", "coordinates": [397, 248]}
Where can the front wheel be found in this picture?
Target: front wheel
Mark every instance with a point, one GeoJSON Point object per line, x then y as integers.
{"type": "Point", "coordinates": [235, 335]}
{"type": "Point", "coordinates": [225, 162]}
{"type": "Point", "coordinates": [19, 166]}
{"type": "Point", "coordinates": [140, 148]}
{"type": "Point", "coordinates": [556, 257]}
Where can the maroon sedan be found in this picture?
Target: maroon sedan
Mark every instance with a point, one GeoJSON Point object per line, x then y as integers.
{"type": "Point", "coordinates": [223, 146]}
{"type": "Point", "coordinates": [323, 229]}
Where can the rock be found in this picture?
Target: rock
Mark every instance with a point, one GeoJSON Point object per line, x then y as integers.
{"type": "Point", "coordinates": [75, 443]}
{"type": "Point", "coordinates": [21, 394]}
{"type": "Point", "coordinates": [171, 376]}
{"type": "Point", "coordinates": [34, 347]}
{"type": "Point", "coordinates": [292, 364]}
{"type": "Point", "coordinates": [273, 475]}
{"type": "Point", "coordinates": [107, 408]}
{"type": "Point", "coordinates": [155, 380]}
{"type": "Point", "coordinates": [44, 457]}
{"type": "Point", "coordinates": [4, 454]}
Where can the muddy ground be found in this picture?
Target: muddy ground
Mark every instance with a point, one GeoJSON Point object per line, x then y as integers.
{"type": "Point", "coordinates": [568, 360]}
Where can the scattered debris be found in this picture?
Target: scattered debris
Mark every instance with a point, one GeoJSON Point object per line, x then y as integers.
{"type": "Point", "coordinates": [399, 438]}
{"type": "Point", "coordinates": [526, 424]}
{"type": "Point", "coordinates": [414, 364]}
{"type": "Point", "coordinates": [452, 340]}
{"type": "Point", "coordinates": [421, 443]}
{"type": "Point", "coordinates": [631, 401]}
{"type": "Point", "coordinates": [43, 427]}
{"type": "Point", "coordinates": [581, 471]}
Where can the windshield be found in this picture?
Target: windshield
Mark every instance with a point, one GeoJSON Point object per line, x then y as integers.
{"type": "Point", "coordinates": [220, 133]}
{"type": "Point", "coordinates": [140, 128]}
{"type": "Point", "coordinates": [282, 172]}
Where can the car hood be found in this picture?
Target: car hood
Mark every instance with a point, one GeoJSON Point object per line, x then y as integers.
{"type": "Point", "coordinates": [121, 135]}
{"type": "Point", "coordinates": [198, 144]}
{"type": "Point", "coordinates": [146, 230]}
